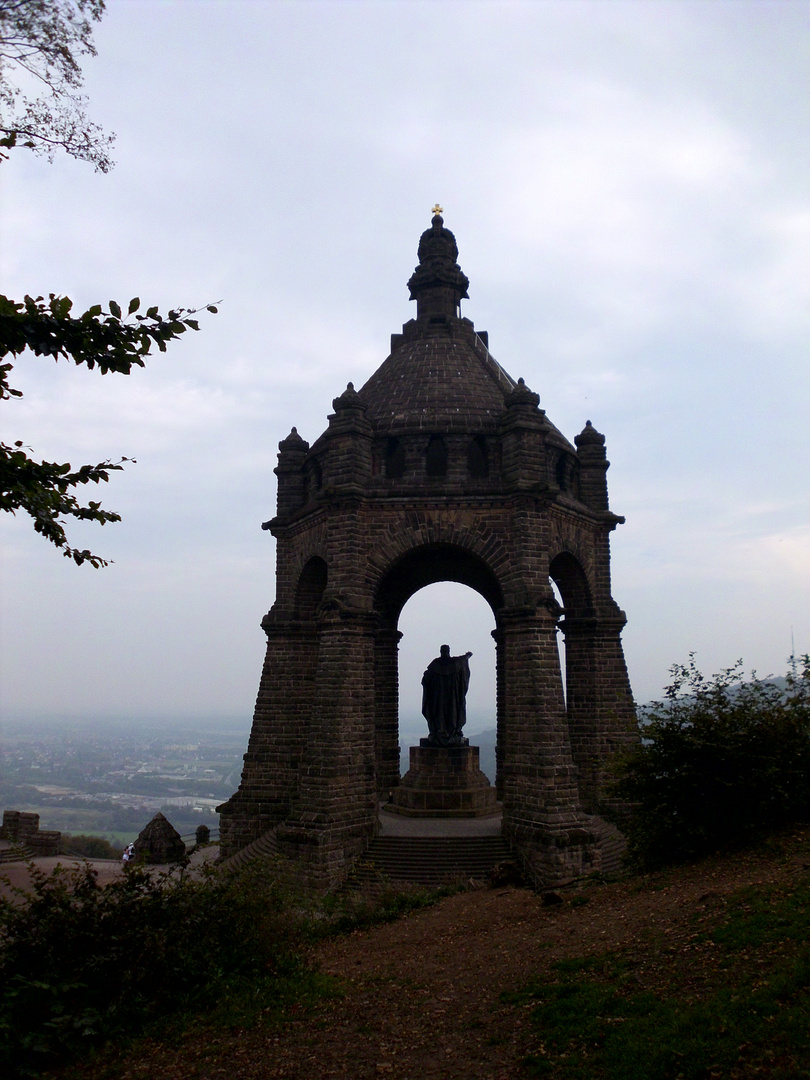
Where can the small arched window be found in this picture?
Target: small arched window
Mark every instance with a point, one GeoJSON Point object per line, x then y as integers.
{"type": "Point", "coordinates": [394, 459]}
{"type": "Point", "coordinates": [311, 587]}
{"type": "Point", "coordinates": [565, 473]}
{"type": "Point", "coordinates": [436, 457]}
{"type": "Point", "coordinates": [478, 458]}
{"type": "Point", "coordinates": [313, 479]}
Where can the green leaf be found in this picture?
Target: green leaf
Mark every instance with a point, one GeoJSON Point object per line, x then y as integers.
{"type": "Point", "coordinates": [115, 309]}
{"type": "Point", "coordinates": [134, 304]}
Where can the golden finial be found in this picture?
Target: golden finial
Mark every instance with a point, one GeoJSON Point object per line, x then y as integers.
{"type": "Point", "coordinates": [437, 209]}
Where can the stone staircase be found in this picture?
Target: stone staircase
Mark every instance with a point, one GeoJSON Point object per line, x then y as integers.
{"type": "Point", "coordinates": [10, 853]}
{"type": "Point", "coordinates": [613, 845]}
{"type": "Point", "coordinates": [263, 847]}
{"type": "Point", "coordinates": [429, 860]}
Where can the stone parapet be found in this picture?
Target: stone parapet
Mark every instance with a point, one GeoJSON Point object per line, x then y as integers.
{"type": "Point", "coordinates": [22, 828]}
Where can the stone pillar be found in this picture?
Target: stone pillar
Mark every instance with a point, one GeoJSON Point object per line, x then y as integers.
{"type": "Point", "coordinates": [292, 453]}
{"type": "Point", "coordinates": [593, 467]}
{"type": "Point", "coordinates": [350, 437]}
{"type": "Point", "coordinates": [602, 718]}
{"type": "Point", "coordinates": [278, 736]}
{"type": "Point", "coordinates": [541, 811]}
{"type": "Point", "coordinates": [386, 709]}
{"type": "Point", "coordinates": [335, 814]}
{"type": "Point", "coordinates": [523, 452]}
{"type": "Point", "coordinates": [500, 696]}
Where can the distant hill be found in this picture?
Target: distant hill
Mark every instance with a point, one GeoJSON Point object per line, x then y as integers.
{"type": "Point", "coordinates": [486, 738]}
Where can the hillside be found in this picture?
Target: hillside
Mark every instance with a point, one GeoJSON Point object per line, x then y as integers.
{"type": "Point", "coordinates": [697, 972]}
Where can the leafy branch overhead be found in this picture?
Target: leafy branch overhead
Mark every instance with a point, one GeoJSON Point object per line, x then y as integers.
{"type": "Point", "coordinates": [42, 108]}
{"type": "Point", "coordinates": [107, 340]}
{"type": "Point", "coordinates": [41, 104]}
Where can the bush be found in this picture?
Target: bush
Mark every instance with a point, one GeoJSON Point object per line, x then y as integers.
{"type": "Point", "coordinates": [80, 964]}
{"type": "Point", "coordinates": [721, 762]}
{"type": "Point", "coordinates": [88, 847]}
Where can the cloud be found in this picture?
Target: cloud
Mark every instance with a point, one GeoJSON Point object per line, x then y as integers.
{"type": "Point", "coordinates": [627, 184]}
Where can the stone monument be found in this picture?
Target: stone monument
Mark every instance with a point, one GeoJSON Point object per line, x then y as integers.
{"type": "Point", "coordinates": [444, 779]}
{"type": "Point", "coordinates": [441, 467]}
{"type": "Point", "coordinates": [159, 843]}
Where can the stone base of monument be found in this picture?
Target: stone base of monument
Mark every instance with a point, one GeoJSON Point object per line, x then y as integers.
{"type": "Point", "coordinates": [444, 781]}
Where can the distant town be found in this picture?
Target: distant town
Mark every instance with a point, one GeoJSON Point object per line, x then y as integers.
{"type": "Point", "coordinates": [109, 779]}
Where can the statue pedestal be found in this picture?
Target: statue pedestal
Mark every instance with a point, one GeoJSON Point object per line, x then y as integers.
{"type": "Point", "coordinates": [444, 781]}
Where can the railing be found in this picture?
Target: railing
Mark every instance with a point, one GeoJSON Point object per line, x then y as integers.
{"type": "Point", "coordinates": [502, 376]}
{"type": "Point", "coordinates": [190, 839]}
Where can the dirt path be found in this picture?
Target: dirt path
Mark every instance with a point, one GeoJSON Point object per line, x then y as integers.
{"type": "Point", "coordinates": [422, 996]}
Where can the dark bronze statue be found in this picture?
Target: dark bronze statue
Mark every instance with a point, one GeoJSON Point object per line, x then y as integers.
{"type": "Point", "coordinates": [444, 689]}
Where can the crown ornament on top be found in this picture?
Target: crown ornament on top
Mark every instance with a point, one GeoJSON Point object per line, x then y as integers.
{"type": "Point", "coordinates": [437, 209]}
{"type": "Point", "coordinates": [438, 283]}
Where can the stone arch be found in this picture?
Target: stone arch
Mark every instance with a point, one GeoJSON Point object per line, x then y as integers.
{"type": "Point", "coordinates": [572, 581]}
{"type": "Point", "coordinates": [427, 563]}
{"type": "Point", "coordinates": [436, 456]}
{"type": "Point", "coordinates": [311, 588]}
{"type": "Point", "coordinates": [423, 529]}
{"type": "Point", "coordinates": [420, 565]}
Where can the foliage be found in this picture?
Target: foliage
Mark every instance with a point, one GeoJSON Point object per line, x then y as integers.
{"type": "Point", "coordinates": [360, 908]}
{"type": "Point", "coordinates": [594, 1022]}
{"type": "Point", "coordinates": [88, 847]}
{"type": "Point", "coordinates": [80, 964]}
{"type": "Point", "coordinates": [107, 340]}
{"type": "Point", "coordinates": [721, 761]}
{"type": "Point", "coordinates": [41, 42]}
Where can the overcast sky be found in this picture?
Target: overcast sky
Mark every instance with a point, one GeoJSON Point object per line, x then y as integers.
{"type": "Point", "coordinates": [628, 186]}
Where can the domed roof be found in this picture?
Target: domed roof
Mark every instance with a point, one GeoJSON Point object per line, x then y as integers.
{"type": "Point", "coordinates": [440, 376]}
{"type": "Point", "coordinates": [438, 384]}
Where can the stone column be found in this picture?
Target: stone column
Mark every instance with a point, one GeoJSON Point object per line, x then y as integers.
{"type": "Point", "coordinates": [278, 736]}
{"type": "Point", "coordinates": [335, 814]}
{"type": "Point", "coordinates": [601, 712]}
{"type": "Point", "coordinates": [542, 815]}
{"type": "Point", "coordinates": [386, 708]}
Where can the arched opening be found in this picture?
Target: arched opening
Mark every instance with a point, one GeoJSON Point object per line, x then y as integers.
{"type": "Point", "coordinates": [426, 566]}
{"type": "Point", "coordinates": [560, 638]}
{"type": "Point", "coordinates": [394, 459]}
{"type": "Point", "coordinates": [456, 615]}
{"type": "Point", "coordinates": [571, 591]}
{"type": "Point", "coordinates": [310, 589]}
{"type": "Point", "coordinates": [478, 458]}
{"type": "Point", "coordinates": [582, 673]}
{"type": "Point", "coordinates": [569, 577]}
{"type": "Point", "coordinates": [436, 457]}
{"type": "Point", "coordinates": [313, 479]}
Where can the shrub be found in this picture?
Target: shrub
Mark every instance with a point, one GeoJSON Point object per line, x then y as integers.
{"type": "Point", "coordinates": [88, 847]}
{"type": "Point", "coordinates": [721, 761]}
{"type": "Point", "coordinates": [80, 964]}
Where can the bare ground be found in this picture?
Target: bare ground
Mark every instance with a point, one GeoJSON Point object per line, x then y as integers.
{"type": "Point", "coordinates": [421, 998]}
